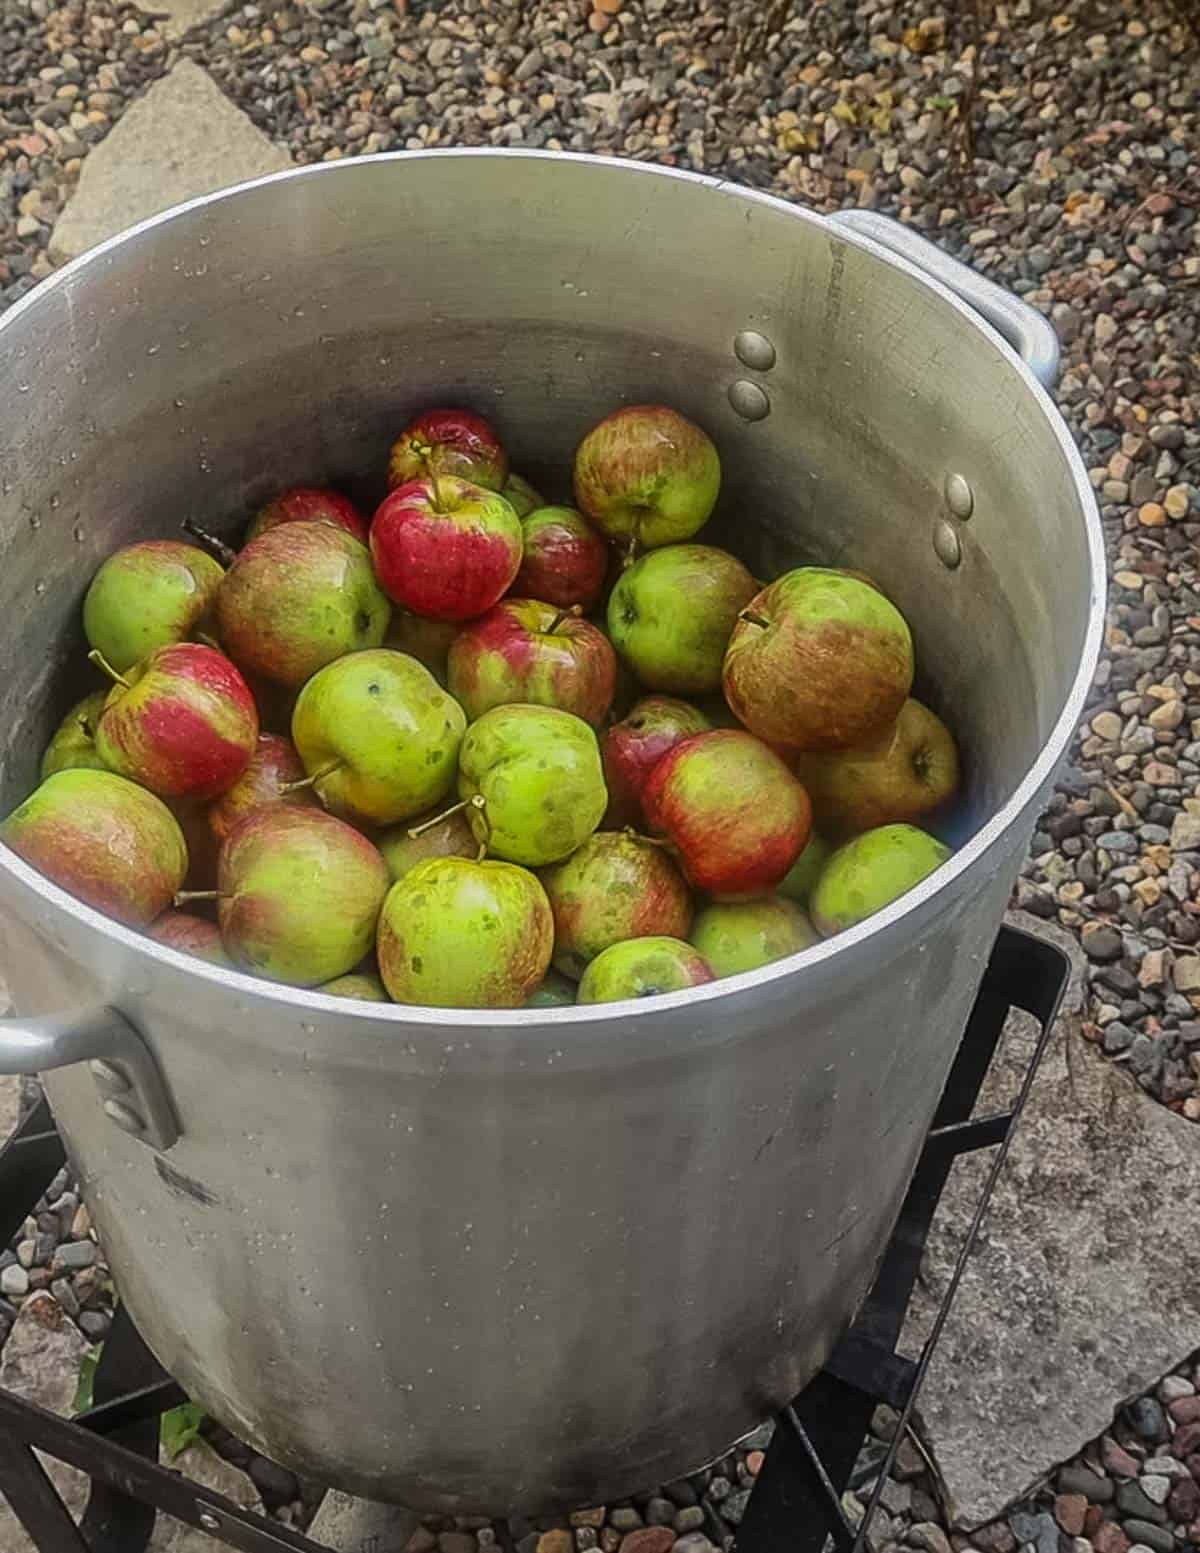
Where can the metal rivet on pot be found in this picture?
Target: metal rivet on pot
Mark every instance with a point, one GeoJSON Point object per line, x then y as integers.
{"type": "Point", "coordinates": [126, 1118]}
{"type": "Point", "coordinates": [749, 400]}
{"type": "Point", "coordinates": [946, 545]}
{"type": "Point", "coordinates": [105, 1074]}
{"type": "Point", "coordinates": [754, 350]}
{"type": "Point", "coordinates": [959, 496]}
{"type": "Point", "coordinates": [209, 1521]}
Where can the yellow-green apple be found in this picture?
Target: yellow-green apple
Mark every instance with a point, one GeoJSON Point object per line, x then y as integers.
{"type": "Point", "coordinates": [455, 933]}
{"type": "Point", "coordinates": [735, 814]}
{"type": "Point", "coordinates": [309, 504]}
{"type": "Point", "coordinates": [531, 783]}
{"type": "Point", "coordinates": [618, 885]}
{"type": "Point", "coordinates": [871, 871]}
{"type": "Point", "coordinates": [73, 747]}
{"type": "Point", "coordinates": [274, 775]}
{"type": "Point", "coordinates": [445, 548]}
{"type": "Point", "coordinates": [182, 722]}
{"type": "Point", "coordinates": [647, 476]}
{"type": "Point", "coordinates": [819, 660]}
{"type": "Point", "coordinates": [529, 652]}
{"type": "Point", "coordinates": [149, 595]}
{"type": "Point", "coordinates": [633, 747]}
{"type": "Point", "coordinates": [801, 878]}
{"type": "Point", "coordinates": [298, 895]}
{"type": "Point", "coordinates": [909, 773]}
{"type": "Point", "coordinates": [449, 442]}
{"type": "Point", "coordinates": [736, 936]}
{"type": "Point", "coordinates": [107, 841]}
{"type": "Point", "coordinates": [564, 561]}
{"type": "Point", "coordinates": [378, 736]}
{"type": "Point", "coordinates": [428, 641]}
{"type": "Point", "coordinates": [643, 968]}
{"type": "Point", "coordinates": [363, 986]}
{"type": "Point", "coordinates": [190, 935]}
{"type": "Point", "coordinates": [671, 613]}
{"type": "Point", "coordinates": [296, 598]}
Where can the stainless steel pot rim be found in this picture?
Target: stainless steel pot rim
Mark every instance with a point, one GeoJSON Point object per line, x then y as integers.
{"type": "Point", "coordinates": [549, 1023]}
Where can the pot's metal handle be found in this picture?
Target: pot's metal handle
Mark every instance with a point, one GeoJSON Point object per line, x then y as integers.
{"type": "Point", "coordinates": [132, 1090]}
{"type": "Point", "coordinates": [1030, 335]}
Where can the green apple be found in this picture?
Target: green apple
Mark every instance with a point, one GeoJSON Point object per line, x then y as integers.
{"type": "Point", "coordinates": [557, 991]}
{"type": "Point", "coordinates": [455, 933]}
{"type": "Point", "coordinates": [671, 613]}
{"type": "Point", "coordinates": [296, 598]}
{"type": "Point", "coordinates": [617, 886]}
{"type": "Point", "coordinates": [870, 872]}
{"type": "Point", "coordinates": [521, 496]}
{"type": "Point", "coordinates": [105, 840]}
{"type": "Point", "coordinates": [364, 986]}
{"type": "Point", "coordinates": [819, 660]}
{"type": "Point", "coordinates": [298, 895]}
{"type": "Point", "coordinates": [430, 835]}
{"type": "Point", "coordinates": [908, 774]}
{"type": "Point", "coordinates": [73, 747]}
{"type": "Point", "coordinates": [801, 878]}
{"type": "Point", "coordinates": [533, 781]}
{"type": "Point", "coordinates": [148, 595]}
{"type": "Point", "coordinates": [647, 476]}
{"type": "Point", "coordinates": [738, 936]}
{"type": "Point", "coordinates": [378, 736]}
{"type": "Point", "coordinates": [643, 968]}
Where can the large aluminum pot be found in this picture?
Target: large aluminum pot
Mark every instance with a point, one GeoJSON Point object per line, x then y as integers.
{"type": "Point", "coordinates": [495, 1260]}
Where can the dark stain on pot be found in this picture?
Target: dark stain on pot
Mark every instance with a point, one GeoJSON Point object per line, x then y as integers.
{"type": "Point", "coordinates": [183, 1186]}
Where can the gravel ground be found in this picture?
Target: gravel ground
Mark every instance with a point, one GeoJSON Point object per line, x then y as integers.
{"type": "Point", "coordinates": [1058, 150]}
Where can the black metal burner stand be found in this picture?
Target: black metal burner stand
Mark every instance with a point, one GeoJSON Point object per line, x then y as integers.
{"type": "Point", "coordinates": [796, 1503]}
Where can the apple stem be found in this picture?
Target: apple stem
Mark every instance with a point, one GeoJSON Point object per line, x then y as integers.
{"type": "Point", "coordinates": [207, 641]}
{"type": "Point", "coordinates": [651, 841]}
{"type": "Point", "coordinates": [477, 802]}
{"type": "Point", "coordinates": [219, 548]}
{"type": "Point", "coordinates": [425, 454]}
{"type": "Point", "coordinates": [573, 612]}
{"type": "Point", "coordinates": [752, 619]}
{"type": "Point", "coordinates": [313, 778]}
{"type": "Point", "coordinates": [630, 555]}
{"type": "Point", "coordinates": [182, 897]}
{"type": "Point", "coordinates": [102, 663]}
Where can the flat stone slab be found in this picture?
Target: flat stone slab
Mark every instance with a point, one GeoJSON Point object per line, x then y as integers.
{"type": "Point", "coordinates": [182, 139]}
{"type": "Point", "coordinates": [1085, 1285]}
{"type": "Point", "coordinates": [175, 18]}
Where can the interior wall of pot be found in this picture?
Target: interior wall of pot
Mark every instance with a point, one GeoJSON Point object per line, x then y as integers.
{"type": "Point", "coordinates": [284, 334]}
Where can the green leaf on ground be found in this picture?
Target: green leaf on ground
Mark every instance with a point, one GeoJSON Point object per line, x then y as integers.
{"type": "Point", "coordinates": [179, 1428]}
{"type": "Point", "coordinates": [87, 1380]}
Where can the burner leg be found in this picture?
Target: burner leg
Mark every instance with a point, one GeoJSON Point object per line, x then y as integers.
{"type": "Point", "coordinates": [796, 1504]}
{"type": "Point", "coordinates": [35, 1501]}
{"type": "Point", "coordinates": [345, 1524]}
{"type": "Point", "coordinates": [113, 1522]}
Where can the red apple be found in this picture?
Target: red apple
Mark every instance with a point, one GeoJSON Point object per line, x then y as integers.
{"type": "Point", "coordinates": [565, 561]}
{"type": "Point", "coordinates": [819, 660]}
{"type": "Point", "coordinates": [190, 935]}
{"type": "Point", "coordinates": [527, 652]}
{"type": "Point", "coordinates": [445, 548]}
{"type": "Point", "coordinates": [448, 442]}
{"type": "Point", "coordinates": [736, 815]}
{"type": "Point", "coordinates": [633, 747]}
{"type": "Point", "coordinates": [309, 504]}
{"type": "Point", "coordinates": [274, 765]}
{"type": "Point", "coordinates": [182, 723]}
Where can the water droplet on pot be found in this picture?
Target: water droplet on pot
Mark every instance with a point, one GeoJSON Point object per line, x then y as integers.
{"type": "Point", "coordinates": [34, 521]}
{"type": "Point", "coordinates": [55, 502]}
{"type": "Point", "coordinates": [78, 532]}
{"type": "Point", "coordinates": [153, 350]}
{"type": "Point", "coordinates": [22, 388]}
{"type": "Point", "coordinates": [39, 587]}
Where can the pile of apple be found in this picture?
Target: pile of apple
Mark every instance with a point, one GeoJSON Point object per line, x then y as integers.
{"type": "Point", "coordinates": [430, 759]}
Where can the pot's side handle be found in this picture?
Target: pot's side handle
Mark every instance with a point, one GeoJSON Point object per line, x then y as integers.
{"type": "Point", "coordinates": [133, 1094]}
{"type": "Point", "coordinates": [1031, 335]}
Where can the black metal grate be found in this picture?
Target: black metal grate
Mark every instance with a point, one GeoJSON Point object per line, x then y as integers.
{"type": "Point", "coordinates": [796, 1503]}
